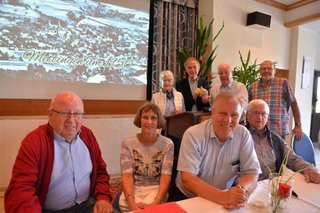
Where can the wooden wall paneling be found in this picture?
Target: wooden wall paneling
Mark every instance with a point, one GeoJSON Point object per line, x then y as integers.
{"type": "Point", "coordinates": [15, 107]}
{"type": "Point", "coordinates": [282, 73]}
{"type": "Point", "coordinates": [299, 4]}
{"type": "Point", "coordinates": [303, 20]}
{"type": "Point", "coordinates": [286, 7]}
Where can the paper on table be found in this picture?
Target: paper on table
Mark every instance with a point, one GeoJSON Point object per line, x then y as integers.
{"type": "Point", "coordinates": [308, 202]}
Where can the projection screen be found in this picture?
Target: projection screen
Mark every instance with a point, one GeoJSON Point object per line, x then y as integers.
{"type": "Point", "coordinates": [98, 49]}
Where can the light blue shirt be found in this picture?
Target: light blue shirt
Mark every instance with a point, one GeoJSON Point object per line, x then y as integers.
{"type": "Point", "coordinates": [70, 179]}
{"type": "Point", "coordinates": [236, 88]}
{"type": "Point", "coordinates": [193, 87]}
{"type": "Point", "coordinates": [202, 154]}
{"type": "Point", "coordinates": [170, 107]}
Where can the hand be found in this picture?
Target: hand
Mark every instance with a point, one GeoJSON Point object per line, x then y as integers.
{"type": "Point", "coordinates": [135, 206]}
{"type": "Point", "coordinates": [195, 96]}
{"type": "Point", "coordinates": [205, 99]}
{"type": "Point", "coordinates": [297, 131]}
{"type": "Point", "coordinates": [142, 205]}
{"type": "Point", "coordinates": [235, 197]}
{"type": "Point", "coordinates": [102, 206]}
{"type": "Point", "coordinates": [132, 205]}
{"type": "Point", "coordinates": [311, 175]}
{"type": "Point", "coordinates": [177, 112]}
{"type": "Point", "coordinates": [231, 206]}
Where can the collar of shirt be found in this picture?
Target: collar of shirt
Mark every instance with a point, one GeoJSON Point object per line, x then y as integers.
{"type": "Point", "coordinates": [265, 132]}
{"type": "Point", "coordinates": [228, 85]}
{"type": "Point", "coordinates": [193, 83]}
{"type": "Point", "coordinates": [270, 81]}
{"type": "Point", "coordinates": [255, 131]}
{"type": "Point", "coordinates": [59, 138]}
{"type": "Point", "coordinates": [169, 94]}
{"type": "Point", "coordinates": [212, 134]}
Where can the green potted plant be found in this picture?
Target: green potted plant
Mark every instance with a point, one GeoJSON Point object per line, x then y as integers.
{"type": "Point", "coordinates": [248, 72]}
{"type": "Point", "coordinates": [203, 52]}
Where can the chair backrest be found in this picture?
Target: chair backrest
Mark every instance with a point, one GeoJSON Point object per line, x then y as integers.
{"type": "Point", "coordinates": [304, 148]}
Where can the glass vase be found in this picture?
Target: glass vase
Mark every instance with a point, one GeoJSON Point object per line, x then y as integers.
{"type": "Point", "coordinates": [280, 190]}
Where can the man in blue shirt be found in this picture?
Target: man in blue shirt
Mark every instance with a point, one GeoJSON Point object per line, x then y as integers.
{"type": "Point", "coordinates": [216, 151]}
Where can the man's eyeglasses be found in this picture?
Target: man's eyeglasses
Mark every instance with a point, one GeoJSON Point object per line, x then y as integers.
{"type": "Point", "coordinates": [256, 113]}
{"type": "Point", "coordinates": [266, 69]}
{"type": "Point", "coordinates": [75, 115]}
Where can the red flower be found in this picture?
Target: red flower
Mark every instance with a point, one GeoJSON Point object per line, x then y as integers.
{"type": "Point", "coordinates": [284, 190]}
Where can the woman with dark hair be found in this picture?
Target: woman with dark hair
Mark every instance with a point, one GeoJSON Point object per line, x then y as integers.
{"type": "Point", "coordinates": [146, 162]}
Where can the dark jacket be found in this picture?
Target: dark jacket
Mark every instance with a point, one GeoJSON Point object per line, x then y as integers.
{"type": "Point", "coordinates": [184, 87]}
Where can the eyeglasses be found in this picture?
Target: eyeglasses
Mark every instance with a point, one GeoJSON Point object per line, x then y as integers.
{"type": "Point", "coordinates": [75, 115]}
{"type": "Point", "coordinates": [167, 80]}
{"type": "Point", "coordinates": [256, 113]}
{"type": "Point", "coordinates": [266, 69]}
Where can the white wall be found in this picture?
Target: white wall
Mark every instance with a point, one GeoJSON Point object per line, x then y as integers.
{"type": "Point", "coordinates": [303, 43]}
{"type": "Point", "coordinates": [270, 43]}
{"type": "Point", "coordinates": [109, 131]}
{"type": "Point", "coordinates": [277, 43]}
{"type": "Point", "coordinates": [317, 58]}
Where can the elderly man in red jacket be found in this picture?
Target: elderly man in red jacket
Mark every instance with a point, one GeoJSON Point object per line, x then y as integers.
{"type": "Point", "coordinates": [59, 166]}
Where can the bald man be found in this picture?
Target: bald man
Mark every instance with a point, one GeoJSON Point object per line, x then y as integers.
{"type": "Point", "coordinates": [227, 84]}
{"type": "Point", "coordinates": [59, 167]}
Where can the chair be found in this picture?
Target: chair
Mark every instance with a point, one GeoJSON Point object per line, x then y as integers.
{"type": "Point", "coordinates": [304, 148]}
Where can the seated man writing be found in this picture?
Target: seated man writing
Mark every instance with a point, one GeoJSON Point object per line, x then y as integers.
{"type": "Point", "coordinates": [271, 148]}
{"type": "Point", "coordinates": [215, 151]}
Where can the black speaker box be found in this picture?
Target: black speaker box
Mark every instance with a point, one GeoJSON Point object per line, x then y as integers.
{"type": "Point", "coordinates": [257, 18]}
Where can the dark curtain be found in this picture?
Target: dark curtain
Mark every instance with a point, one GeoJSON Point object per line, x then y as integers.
{"type": "Point", "coordinates": [175, 26]}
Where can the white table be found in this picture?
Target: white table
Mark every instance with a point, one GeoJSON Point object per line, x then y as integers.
{"type": "Point", "coordinates": [307, 192]}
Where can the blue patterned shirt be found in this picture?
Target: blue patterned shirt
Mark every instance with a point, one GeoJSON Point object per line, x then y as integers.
{"type": "Point", "coordinates": [279, 96]}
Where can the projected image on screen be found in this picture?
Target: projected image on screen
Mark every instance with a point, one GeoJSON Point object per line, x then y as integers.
{"type": "Point", "coordinates": [73, 41]}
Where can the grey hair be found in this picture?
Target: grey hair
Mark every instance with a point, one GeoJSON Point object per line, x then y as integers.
{"type": "Point", "coordinates": [190, 59]}
{"type": "Point", "coordinates": [256, 102]}
{"type": "Point", "coordinates": [167, 72]}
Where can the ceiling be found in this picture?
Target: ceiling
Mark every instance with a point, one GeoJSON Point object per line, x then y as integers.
{"type": "Point", "coordinates": [313, 25]}
{"type": "Point", "coordinates": [287, 2]}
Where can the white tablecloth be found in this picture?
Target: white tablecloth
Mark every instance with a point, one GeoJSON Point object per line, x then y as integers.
{"type": "Point", "coordinates": [309, 194]}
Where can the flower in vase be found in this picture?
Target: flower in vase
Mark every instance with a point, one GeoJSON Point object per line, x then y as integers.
{"type": "Point", "coordinates": [280, 191]}
{"type": "Point", "coordinates": [284, 190]}
{"type": "Point", "coordinates": [281, 186]}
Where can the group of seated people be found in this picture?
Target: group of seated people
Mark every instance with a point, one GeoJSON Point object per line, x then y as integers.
{"type": "Point", "coordinates": [59, 166]}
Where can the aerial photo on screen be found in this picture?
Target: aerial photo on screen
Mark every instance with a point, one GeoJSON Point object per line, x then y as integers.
{"type": "Point", "coordinates": [73, 41]}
